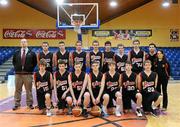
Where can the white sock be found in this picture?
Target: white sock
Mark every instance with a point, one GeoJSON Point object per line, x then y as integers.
{"type": "Point", "coordinates": [118, 108]}
{"type": "Point", "coordinates": [104, 109]}
{"type": "Point", "coordinates": [154, 107]}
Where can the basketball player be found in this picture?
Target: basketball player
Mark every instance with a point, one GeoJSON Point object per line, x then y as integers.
{"type": "Point", "coordinates": [136, 56]}
{"type": "Point", "coordinates": [96, 55]}
{"type": "Point", "coordinates": [147, 82]}
{"type": "Point", "coordinates": [43, 83]}
{"type": "Point", "coordinates": [129, 89]}
{"type": "Point", "coordinates": [108, 56]}
{"type": "Point", "coordinates": [112, 87]}
{"type": "Point", "coordinates": [79, 56]}
{"type": "Point", "coordinates": [121, 59]}
{"type": "Point", "coordinates": [47, 55]}
{"type": "Point", "coordinates": [62, 54]}
{"type": "Point", "coordinates": [152, 55]}
{"type": "Point", "coordinates": [62, 87]}
{"type": "Point", "coordinates": [78, 87]}
{"type": "Point", "coordinates": [96, 88]}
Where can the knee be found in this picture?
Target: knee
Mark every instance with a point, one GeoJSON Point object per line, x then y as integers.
{"type": "Point", "coordinates": [47, 96]}
{"type": "Point", "coordinates": [106, 97]}
{"type": "Point", "coordinates": [118, 95]}
{"type": "Point", "coordinates": [87, 95]}
{"type": "Point", "coordinates": [160, 97]}
{"type": "Point", "coordinates": [69, 99]}
{"type": "Point", "coordinates": [139, 96]}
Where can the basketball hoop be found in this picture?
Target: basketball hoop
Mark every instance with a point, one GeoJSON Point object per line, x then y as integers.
{"type": "Point", "coordinates": [77, 25]}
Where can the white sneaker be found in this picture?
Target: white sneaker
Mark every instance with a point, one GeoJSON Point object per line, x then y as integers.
{"type": "Point", "coordinates": [48, 112]}
{"type": "Point", "coordinates": [118, 113]}
{"type": "Point", "coordinates": [138, 113]}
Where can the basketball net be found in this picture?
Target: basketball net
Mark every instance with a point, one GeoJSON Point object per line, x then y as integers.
{"type": "Point", "coordinates": [77, 25]}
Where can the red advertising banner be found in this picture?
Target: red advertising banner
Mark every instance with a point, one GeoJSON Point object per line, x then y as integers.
{"type": "Point", "coordinates": [34, 34]}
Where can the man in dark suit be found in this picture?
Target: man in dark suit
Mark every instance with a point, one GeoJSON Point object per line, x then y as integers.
{"type": "Point", "coordinates": [24, 61]}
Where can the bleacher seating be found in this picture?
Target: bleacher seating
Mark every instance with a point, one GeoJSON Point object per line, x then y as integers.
{"type": "Point", "coordinates": [172, 55]}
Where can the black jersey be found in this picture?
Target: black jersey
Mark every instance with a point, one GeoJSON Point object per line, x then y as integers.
{"type": "Point", "coordinates": [112, 83]}
{"type": "Point", "coordinates": [63, 57]}
{"type": "Point", "coordinates": [96, 83]}
{"type": "Point", "coordinates": [80, 57]}
{"type": "Point", "coordinates": [96, 56]}
{"type": "Point", "coordinates": [120, 63]}
{"type": "Point", "coordinates": [148, 82]}
{"type": "Point", "coordinates": [129, 83]}
{"type": "Point", "coordinates": [49, 58]}
{"type": "Point", "coordinates": [152, 58]}
{"type": "Point", "coordinates": [77, 83]}
{"type": "Point", "coordinates": [108, 57]}
{"type": "Point", "coordinates": [137, 60]}
{"type": "Point", "coordinates": [62, 82]}
{"type": "Point", "coordinates": [43, 83]}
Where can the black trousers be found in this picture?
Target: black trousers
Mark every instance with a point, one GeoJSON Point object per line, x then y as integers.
{"type": "Point", "coordinates": [162, 84]}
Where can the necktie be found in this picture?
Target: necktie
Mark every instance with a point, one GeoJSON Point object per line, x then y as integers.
{"type": "Point", "coordinates": [23, 58]}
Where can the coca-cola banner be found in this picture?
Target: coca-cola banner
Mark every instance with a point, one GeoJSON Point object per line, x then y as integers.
{"type": "Point", "coordinates": [34, 34]}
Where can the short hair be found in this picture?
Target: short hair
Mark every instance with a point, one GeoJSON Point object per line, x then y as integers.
{"type": "Point", "coordinates": [77, 63]}
{"type": "Point", "coordinates": [136, 41]}
{"type": "Point", "coordinates": [146, 61]}
{"type": "Point", "coordinates": [61, 42]}
{"type": "Point", "coordinates": [23, 40]}
{"type": "Point", "coordinates": [107, 43]}
{"type": "Point", "coordinates": [120, 45]}
{"type": "Point", "coordinates": [61, 62]}
{"type": "Point", "coordinates": [129, 62]}
{"type": "Point", "coordinates": [45, 42]}
{"type": "Point", "coordinates": [95, 41]}
{"type": "Point", "coordinates": [78, 42]}
{"type": "Point", "coordinates": [43, 62]}
{"type": "Point", "coordinates": [152, 44]}
{"type": "Point", "coordinates": [112, 62]}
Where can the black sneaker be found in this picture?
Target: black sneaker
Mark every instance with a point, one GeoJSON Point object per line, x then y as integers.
{"type": "Point", "coordinates": [30, 107]}
{"type": "Point", "coordinates": [15, 108]}
{"type": "Point", "coordinates": [138, 113]}
{"type": "Point", "coordinates": [154, 112]}
{"type": "Point", "coordinates": [69, 111]}
{"type": "Point", "coordinates": [85, 113]}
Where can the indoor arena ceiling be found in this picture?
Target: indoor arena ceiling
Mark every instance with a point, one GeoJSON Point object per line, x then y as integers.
{"type": "Point", "coordinates": [106, 12]}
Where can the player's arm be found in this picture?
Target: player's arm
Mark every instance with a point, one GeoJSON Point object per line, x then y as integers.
{"type": "Point", "coordinates": [144, 56]}
{"type": "Point", "coordinates": [88, 59]}
{"type": "Point", "coordinates": [129, 56]}
{"type": "Point", "coordinates": [102, 59]}
{"type": "Point", "coordinates": [38, 58]}
{"type": "Point", "coordinates": [70, 87]}
{"type": "Point", "coordinates": [102, 86]}
{"type": "Point", "coordinates": [54, 60]}
{"type": "Point", "coordinates": [55, 87]}
{"type": "Point", "coordinates": [51, 81]}
{"type": "Point", "coordinates": [84, 86]}
{"type": "Point", "coordinates": [71, 59]}
{"type": "Point", "coordinates": [139, 81]}
{"type": "Point", "coordinates": [90, 87]}
{"type": "Point", "coordinates": [120, 82]}
{"type": "Point", "coordinates": [156, 80]}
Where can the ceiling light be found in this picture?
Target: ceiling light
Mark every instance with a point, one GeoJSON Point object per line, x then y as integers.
{"type": "Point", "coordinates": [166, 3]}
{"type": "Point", "coordinates": [3, 2]}
{"type": "Point", "coordinates": [113, 4]}
{"type": "Point", "coordinates": [59, 2]}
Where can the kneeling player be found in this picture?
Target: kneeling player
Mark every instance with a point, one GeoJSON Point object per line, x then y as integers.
{"type": "Point", "coordinates": [78, 84]}
{"type": "Point", "coordinates": [43, 83]}
{"type": "Point", "coordinates": [62, 88]}
{"type": "Point", "coordinates": [147, 82]}
{"type": "Point", "coordinates": [112, 87]}
{"type": "Point", "coordinates": [96, 87]}
{"type": "Point", "coordinates": [129, 89]}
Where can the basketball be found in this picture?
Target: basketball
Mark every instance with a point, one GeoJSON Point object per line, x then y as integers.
{"type": "Point", "coordinates": [110, 111]}
{"type": "Point", "coordinates": [95, 111]}
{"type": "Point", "coordinates": [77, 111]}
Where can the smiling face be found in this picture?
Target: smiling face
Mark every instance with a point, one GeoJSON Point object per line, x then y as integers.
{"type": "Point", "coordinates": [95, 45]}
{"type": "Point", "coordinates": [160, 55]}
{"type": "Point", "coordinates": [152, 48]}
{"type": "Point", "coordinates": [45, 47]}
{"type": "Point", "coordinates": [78, 46]}
{"type": "Point", "coordinates": [95, 66]}
{"type": "Point", "coordinates": [147, 65]}
{"type": "Point", "coordinates": [24, 43]}
{"type": "Point", "coordinates": [61, 46]}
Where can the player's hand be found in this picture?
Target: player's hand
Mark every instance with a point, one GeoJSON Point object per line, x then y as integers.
{"type": "Point", "coordinates": [97, 100]}
{"type": "Point", "coordinates": [64, 95]}
{"type": "Point", "coordinates": [94, 101]}
{"type": "Point", "coordinates": [79, 101]}
{"type": "Point", "coordinates": [75, 102]}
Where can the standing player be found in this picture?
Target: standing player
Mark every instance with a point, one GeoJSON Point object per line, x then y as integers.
{"type": "Point", "coordinates": [152, 55]}
{"type": "Point", "coordinates": [108, 56]}
{"type": "Point", "coordinates": [96, 88]}
{"type": "Point", "coordinates": [78, 87]}
{"type": "Point", "coordinates": [47, 55]}
{"type": "Point", "coordinates": [79, 56]}
{"type": "Point", "coordinates": [62, 87]}
{"type": "Point", "coordinates": [112, 87]}
{"type": "Point", "coordinates": [129, 89]}
{"type": "Point", "coordinates": [43, 83]}
{"type": "Point", "coordinates": [147, 82]}
{"type": "Point", "coordinates": [96, 55]}
{"type": "Point", "coordinates": [136, 56]}
{"type": "Point", "coordinates": [121, 59]}
{"type": "Point", "coordinates": [62, 54]}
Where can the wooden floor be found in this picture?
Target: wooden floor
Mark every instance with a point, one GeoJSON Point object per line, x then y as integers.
{"type": "Point", "coordinates": [25, 117]}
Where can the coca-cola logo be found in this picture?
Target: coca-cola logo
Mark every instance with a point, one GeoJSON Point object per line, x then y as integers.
{"type": "Point", "coordinates": [33, 34]}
